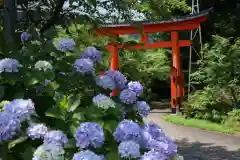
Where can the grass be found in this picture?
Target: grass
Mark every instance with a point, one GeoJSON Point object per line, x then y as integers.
{"type": "Point", "coordinates": [202, 124]}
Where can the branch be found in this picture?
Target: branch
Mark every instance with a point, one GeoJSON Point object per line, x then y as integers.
{"type": "Point", "coordinates": [54, 17]}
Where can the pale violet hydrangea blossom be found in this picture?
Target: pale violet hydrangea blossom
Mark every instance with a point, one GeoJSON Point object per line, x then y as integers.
{"type": "Point", "coordinates": [56, 137]}
{"type": "Point", "coordinates": [129, 149]}
{"type": "Point", "coordinates": [103, 101]}
{"type": "Point", "coordinates": [142, 108]}
{"type": "Point", "coordinates": [37, 131]}
{"type": "Point", "coordinates": [84, 66]}
{"type": "Point", "coordinates": [46, 82]}
{"type": "Point", "coordinates": [165, 146]}
{"type": "Point", "coordinates": [49, 152]}
{"type": "Point", "coordinates": [136, 87]}
{"type": "Point", "coordinates": [9, 126]}
{"type": "Point", "coordinates": [43, 66]}
{"type": "Point", "coordinates": [89, 134]}
{"type": "Point", "coordinates": [155, 139]}
{"type": "Point", "coordinates": [93, 54]}
{"type": "Point", "coordinates": [9, 65]}
{"type": "Point", "coordinates": [118, 77]}
{"type": "Point", "coordinates": [65, 44]}
{"type": "Point", "coordinates": [25, 36]}
{"type": "Point", "coordinates": [105, 82]}
{"type": "Point", "coordinates": [128, 97]}
{"type": "Point", "coordinates": [86, 155]}
{"type": "Point", "coordinates": [154, 130]}
{"type": "Point", "coordinates": [20, 108]}
{"type": "Point", "coordinates": [127, 130]}
{"type": "Point", "coordinates": [153, 155]}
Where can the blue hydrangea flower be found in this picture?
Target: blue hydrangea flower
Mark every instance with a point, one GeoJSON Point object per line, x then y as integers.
{"type": "Point", "coordinates": [37, 131]}
{"type": "Point", "coordinates": [9, 65]}
{"type": "Point", "coordinates": [128, 97]}
{"type": "Point", "coordinates": [135, 87]}
{"type": "Point", "coordinates": [118, 77]}
{"type": "Point", "coordinates": [86, 155]}
{"type": "Point", "coordinates": [65, 44]}
{"type": "Point", "coordinates": [49, 152]}
{"type": "Point", "coordinates": [24, 36]}
{"type": "Point", "coordinates": [127, 130]}
{"type": "Point", "coordinates": [103, 101]}
{"type": "Point", "coordinates": [129, 149]}
{"type": "Point", "coordinates": [166, 146]}
{"type": "Point", "coordinates": [153, 155]}
{"type": "Point", "coordinates": [46, 82]}
{"type": "Point", "coordinates": [43, 66]}
{"type": "Point", "coordinates": [105, 82]}
{"type": "Point", "coordinates": [143, 108]}
{"type": "Point", "coordinates": [84, 66]}
{"type": "Point", "coordinates": [89, 134]}
{"type": "Point", "coordinates": [154, 130]}
{"type": "Point", "coordinates": [56, 137]}
{"type": "Point", "coordinates": [20, 108]}
{"type": "Point", "coordinates": [93, 54]}
{"type": "Point", "coordinates": [9, 126]}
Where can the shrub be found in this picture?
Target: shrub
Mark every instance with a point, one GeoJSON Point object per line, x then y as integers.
{"type": "Point", "coordinates": [56, 107]}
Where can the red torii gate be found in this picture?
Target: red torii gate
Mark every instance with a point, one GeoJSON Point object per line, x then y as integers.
{"type": "Point", "coordinates": [189, 22]}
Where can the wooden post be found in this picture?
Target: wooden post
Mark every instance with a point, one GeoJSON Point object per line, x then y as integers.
{"type": "Point", "coordinates": [176, 64]}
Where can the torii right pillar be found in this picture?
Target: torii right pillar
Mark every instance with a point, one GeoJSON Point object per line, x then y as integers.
{"type": "Point", "coordinates": [177, 76]}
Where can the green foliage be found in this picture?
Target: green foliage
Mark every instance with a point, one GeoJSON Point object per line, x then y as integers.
{"type": "Point", "coordinates": [218, 72]}
{"type": "Point", "coordinates": [233, 118]}
{"type": "Point", "coordinates": [145, 66]}
{"type": "Point", "coordinates": [202, 124]}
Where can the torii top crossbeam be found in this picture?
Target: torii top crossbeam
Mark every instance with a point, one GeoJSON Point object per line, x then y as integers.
{"type": "Point", "coordinates": [142, 28]}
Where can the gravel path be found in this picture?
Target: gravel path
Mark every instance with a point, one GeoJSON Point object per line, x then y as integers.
{"type": "Point", "coordinates": [197, 144]}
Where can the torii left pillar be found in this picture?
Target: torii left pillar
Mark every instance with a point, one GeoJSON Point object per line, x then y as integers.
{"type": "Point", "coordinates": [114, 63]}
{"type": "Point", "coordinates": [177, 77]}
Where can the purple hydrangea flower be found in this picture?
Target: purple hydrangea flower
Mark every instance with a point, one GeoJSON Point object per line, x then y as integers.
{"type": "Point", "coordinates": [20, 108]}
{"type": "Point", "coordinates": [135, 87]}
{"type": "Point", "coordinates": [166, 146]}
{"type": "Point", "coordinates": [56, 137]}
{"type": "Point", "coordinates": [46, 82]}
{"type": "Point", "coordinates": [153, 155]}
{"type": "Point", "coordinates": [143, 108]}
{"type": "Point", "coordinates": [127, 96]}
{"type": "Point", "coordinates": [37, 131]}
{"type": "Point", "coordinates": [89, 134]}
{"type": "Point", "coordinates": [118, 77]}
{"type": "Point", "coordinates": [105, 82]}
{"type": "Point", "coordinates": [127, 130]}
{"type": "Point", "coordinates": [86, 155]}
{"type": "Point", "coordinates": [93, 54]}
{"type": "Point", "coordinates": [129, 149]}
{"type": "Point", "coordinates": [65, 44]}
{"type": "Point", "coordinates": [9, 126]}
{"type": "Point", "coordinates": [24, 36]}
{"type": "Point", "coordinates": [154, 130]}
{"type": "Point", "coordinates": [103, 101]}
{"type": "Point", "coordinates": [9, 65]}
{"type": "Point", "coordinates": [84, 66]}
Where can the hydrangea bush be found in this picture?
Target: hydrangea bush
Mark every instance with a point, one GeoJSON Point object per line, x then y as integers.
{"type": "Point", "coordinates": [57, 107]}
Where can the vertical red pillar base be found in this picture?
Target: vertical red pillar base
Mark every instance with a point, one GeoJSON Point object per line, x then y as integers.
{"type": "Point", "coordinates": [114, 64]}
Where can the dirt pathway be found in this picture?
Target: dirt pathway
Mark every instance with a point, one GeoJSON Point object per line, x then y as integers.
{"type": "Point", "coordinates": [197, 144]}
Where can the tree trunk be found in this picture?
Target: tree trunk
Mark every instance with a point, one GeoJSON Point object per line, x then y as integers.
{"type": "Point", "coordinates": [9, 22]}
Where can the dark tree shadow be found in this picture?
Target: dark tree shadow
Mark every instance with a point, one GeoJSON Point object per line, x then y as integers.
{"type": "Point", "coordinates": [204, 151]}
